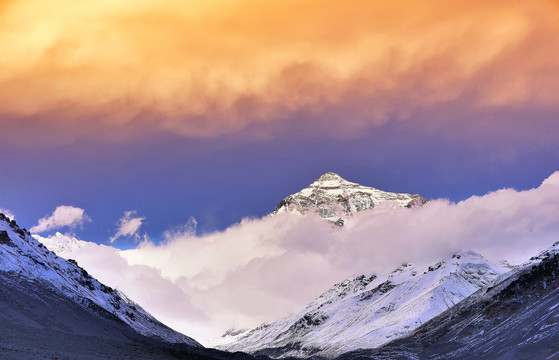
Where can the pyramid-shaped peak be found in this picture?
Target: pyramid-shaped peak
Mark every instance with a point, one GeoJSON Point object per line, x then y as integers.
{"type": "Point", "coordinates": [469, 254]}
{"type": "Point", "coordinates": [330, 176]}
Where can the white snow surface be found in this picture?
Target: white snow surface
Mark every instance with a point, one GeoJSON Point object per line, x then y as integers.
{"type": "Point", "coordinates": [536, 260]}
{"type": "Point", "coordinates": [61, 244]}
{"type": "Point", "coordinates": [22, 254]}
{"type": "Point", "coordinates": [334, 198]}
{"type": "Point", "coordinates": [369, 310]}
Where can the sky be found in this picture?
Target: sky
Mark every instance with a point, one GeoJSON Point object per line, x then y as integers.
{"type": "Point", "coordinates": [122, 123]}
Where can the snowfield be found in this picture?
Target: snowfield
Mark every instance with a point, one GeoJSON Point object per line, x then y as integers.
{"type": "Point", "coordinates": [369, 310]}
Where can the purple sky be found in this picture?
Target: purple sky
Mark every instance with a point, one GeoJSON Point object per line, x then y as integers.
{"type": "Point", "coordinates": [169, 179]}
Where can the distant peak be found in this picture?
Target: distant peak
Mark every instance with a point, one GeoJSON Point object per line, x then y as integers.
{"type": "Point", "coordinates": [466, 253]}
{"type": "Point", "coordinates": [330, 176]}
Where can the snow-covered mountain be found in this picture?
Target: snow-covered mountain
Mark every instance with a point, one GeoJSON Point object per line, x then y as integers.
{"type": "Point", "coordinates": [514, 318]}
{"type": "Point", "coordinates": [369, 310]}
{"type": "Point", "coordinates": [334, 198]}
{"type": "Point", "coordinates": [61, 244]}
{"type": "Point", "coordinates": [23, 256]}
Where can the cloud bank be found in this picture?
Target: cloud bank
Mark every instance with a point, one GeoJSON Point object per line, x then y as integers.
{"type": "Point", "coordinates": [262, 269]}
{"type": "Point", "coordinates": [62, 216]}
{"type": "Point", "coordinates": [114, 71]}
{"type": "Point", "coordinates": [128, 226]}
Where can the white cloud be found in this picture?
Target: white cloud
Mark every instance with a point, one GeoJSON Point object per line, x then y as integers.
{"type": "Point", "coordinates": [63, 216]}
{"type": "Point", "coordinates": [262, 269]}
{"type": "Point", "coordinates": [187, 229]}
{"type": "Point", "coordinates": [141, 283]}
{"type": "Point", "coordinates": [128, 226]}
{"type": "Point", "coordinates": [8, 213]}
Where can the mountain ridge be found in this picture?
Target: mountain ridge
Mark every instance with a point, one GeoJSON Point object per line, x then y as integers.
{"type": "Point", "coordinates": [515, 318]}
{"type": "Point", "coordinates": [23, 255]}
{"type": "Point", "coordinates": [370, 310]}
{"type": "Point", "coordinates": [334, 199]}
{"type": "Point", "coordinates": [61, 244]}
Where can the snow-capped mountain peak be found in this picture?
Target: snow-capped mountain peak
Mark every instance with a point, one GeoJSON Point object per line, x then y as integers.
{"type": "Point", "coordinates": [28, 259]}
{"type": "Point", "coordinates": [515, 317]}
{"type": "Point", "coordinates": [61, 244]}
{"type": "Point", "coordinates": [330, 175]}
{"type": "Point", "coordinates": [367, 311]}
{"type": "Point", "coordinates": [329, 178]}
{"type": "Point", "coordinates": [334, 198]}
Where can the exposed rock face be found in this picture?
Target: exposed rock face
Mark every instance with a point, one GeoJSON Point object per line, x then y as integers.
{"type": "Point", "coordinates": [516, 318]}
{"type": "Point", "coordinates": [23, 257]}
{"type": "Point", "coordinates": [369, 310]}
{"type": "Point", "coordinates": [334, 198]}
{"type": "Point", "coordinates": [5, 239]}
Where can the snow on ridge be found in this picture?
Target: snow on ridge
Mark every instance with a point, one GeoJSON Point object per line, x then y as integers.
{"type": "Point", "coordinates": [334, 198]}
{"type": "Point", "coordinates": [61, 244]}
{"type": "Point", "coordinates": [369, 310]}
{"type": "Point", "coordinates": [22, 254]}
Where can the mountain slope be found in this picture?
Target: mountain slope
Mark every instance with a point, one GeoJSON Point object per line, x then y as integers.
{"type": "Point", "coordinates": [517, 318]}
{"type": "Point", "coordinates": [27, 259]}
{"type": "Point", "coordinates": [369, 310]}
{"type": "Point", "coordinates": [333, 198]}
{"type": "Point", "coordinates": [39, 322]}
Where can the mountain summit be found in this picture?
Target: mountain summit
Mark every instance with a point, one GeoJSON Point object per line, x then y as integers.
{"type": "Point", "coordinates": [61, 244]}
{"type": "Point", "coordinates": [370, 310]}
{"type": "Point", "coordinates": [330, 176]}
{"type": "Point", "coordinates": [334, 198]}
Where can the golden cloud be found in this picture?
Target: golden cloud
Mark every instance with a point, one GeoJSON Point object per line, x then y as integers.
{"type": "Point", "coordinates": [206, 68]}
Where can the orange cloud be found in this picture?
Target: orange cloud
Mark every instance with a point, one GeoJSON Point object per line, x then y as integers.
{"type": "Point", "coordinates": [201, 68]}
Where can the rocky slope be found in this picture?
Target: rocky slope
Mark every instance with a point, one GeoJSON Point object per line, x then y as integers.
{"type": "Point", "coordinates": [38, 322]}
{"type": "Point", "coordinates": [334, 198]}
{"type": "Point", "coordinates": [370, 310]}
{"type": "Point", "coordinates": [23, 257]}
{"type": "Point", "coordinates": [516, 318]}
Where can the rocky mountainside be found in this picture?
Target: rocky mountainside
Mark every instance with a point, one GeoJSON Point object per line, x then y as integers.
{"type": "Point", "coordinates": [23, 257]}
{"type": "Point", "coordinates": [38, 322]}
{"type": "Point", "coordinates": [369, 310]}
{"type": "Point", "coordinates": [334, 198]}
{"type": "Point", "coordinates": [516, 318]}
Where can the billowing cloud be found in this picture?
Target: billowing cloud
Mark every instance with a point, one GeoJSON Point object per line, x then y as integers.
{"type": "Point", "coordinates": [128, 226]}
{"type": "Point", "coordinates": [8, 213]}
{"type": "Point", "coordinates": [112, 70]}
{"type": "Point", "coordinates": [262, 269]}
{"type": "Point", "coordinates": [62, 216]}
{"type": "Point", "coordinates": [156, 290]}
{"type": "Point", "coordinates": [187, 229]}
